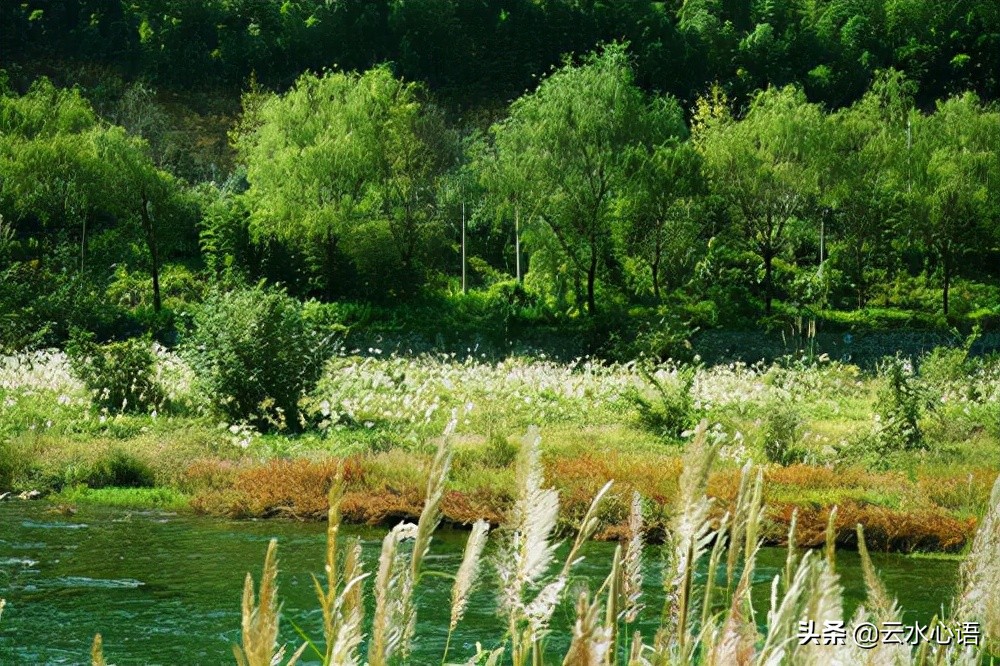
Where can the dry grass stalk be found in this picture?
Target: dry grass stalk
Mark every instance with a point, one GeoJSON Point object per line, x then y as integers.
{"type": "Point", "coordinates": [430, 518]}
{"type": "Point", "coordinates": [979, 600]}
{"type": "Point", "coordinates": [3, 602]}
{"type": "Point", "coordinates": [588, 526]}
{"type": "Point", "coordinates": [391, 582]}
{"type": "Point", "coordinates": [349, 611]}
{"type": "Point", "coordinates": [96, 651]}
{"type": "Point", "coordinates": [591, 642]}
{"type": "Point", "coordinates": [632, 563]}
{"type": "Point", "coordinates": [327, 597]}
{"type": "Point", "coordinates": [791, 557]}
{"type": "Point", "coordinates": [465, 579]}
{"type": "Point", "coordinates": [737, 527]}
{"type": "Point", "coordinates": [714, 559]}
{"type": "Point", "coordinates": [831, 538]}
{"type": "Point", "coordinates": [260, 618]}
{"type": "Point", "coordinates": [635, 657]}
{"type": "Point", "coordinates": [614, 584]}
{"type": "Point", "coordinates": [783, 618]}
{"type": "Point", "coordinates": [881, 609]}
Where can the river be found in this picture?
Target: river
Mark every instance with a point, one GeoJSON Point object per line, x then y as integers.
{"type": "Point", "coordinates": [165, 588]}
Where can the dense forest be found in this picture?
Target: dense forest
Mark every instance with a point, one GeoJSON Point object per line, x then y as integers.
{"type": "Point", "coordinates": [635, 169]}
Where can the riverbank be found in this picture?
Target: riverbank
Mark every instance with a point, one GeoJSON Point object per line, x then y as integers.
{"type": "Point", "coordinates": [827, 433]}
{"type": "Point", "coordinates": [932, 507]}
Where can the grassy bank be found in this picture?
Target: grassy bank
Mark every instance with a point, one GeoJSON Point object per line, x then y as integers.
{"type": "Point", "coordinates": [909, 452]}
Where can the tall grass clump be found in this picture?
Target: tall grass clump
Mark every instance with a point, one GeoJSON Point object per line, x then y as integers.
{"type": "Point", "coordinates": [781, 433]}
{"type": "Point", "coordinates": [707, 618]}
{"type": "Point", "coordinates": [979, 600]}
{"type": "Point", "coordinates": [340, 595]}
{"type": "Point", "coordinates": [528, 596]}
{"type": "Point", "coordinates": [256, 353]}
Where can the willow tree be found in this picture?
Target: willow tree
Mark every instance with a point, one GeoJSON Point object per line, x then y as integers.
{"type": "Point", "coordinates": [661, 219]}
{"type": "Point", "coordinates": [70, 174]}
{"type": "Point", "coordinates": [564, 151]}
{"type": "Point", "coordinates": [140, 196]}
{"type": "Point", "coordinates": [765, 168]}
{"type": "Point", "coordinates": [950, 171]}
{"type": "Point", "coordinates": [865, 196]}
{"type": "Point", "coordinates": [345, 165]}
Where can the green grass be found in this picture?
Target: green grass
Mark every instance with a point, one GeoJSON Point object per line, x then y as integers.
{"type": "Point", "coordinates": [126, 498]}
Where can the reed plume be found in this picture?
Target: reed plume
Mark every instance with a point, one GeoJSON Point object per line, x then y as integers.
{"type": "Point", "coordinates": [881, 608]}
{"type": "Point", "coordinates": [527, 554]}
{"type": "Point", "coordinates": [736, 639]}
{"type": "Point", "coordinates": [430, 518]}
{"type": "Point", "coordinates": [465, 579]}
{"type": "Point", "coordinates": [96, 650]}
{"type": "Point", "coordinates": [632, 563]}
{"type": "Point", "coordinates": [979, 600]}
{"type": "Point", "coordinates": [391, 584]}
{"type": "Point", "coordinates": [591, 641]}
{"type": "Point", "coordinates": [260, 618]}
{"type": "Point", "coordinates": [690, 534]}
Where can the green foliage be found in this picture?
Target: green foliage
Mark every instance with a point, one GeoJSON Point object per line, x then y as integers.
{"type": "Point", "coordinates": [116, 469]}
{"type": "Point", "coordinates": [943, 365]}
{"type": "Point", "coordinates": [898, 407]}
{"type": "Point", "coordinates": [121, 375]}
{"type": "Point", "coordinates": [766, 168]}
{"type": "Point", "coordinates": [665, 404]}
{"type": "Point", "coordinates": [564, 150]}
{"type": "Point", "coordinates": [347, 164]}
{"type": "Point", "coordinates": [782, 432]}
{"type": "Point", "coordinates": [256, 355]}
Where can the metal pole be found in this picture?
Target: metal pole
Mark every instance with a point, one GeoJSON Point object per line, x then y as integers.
{"type": "Point", "coordinates": [463, 247]}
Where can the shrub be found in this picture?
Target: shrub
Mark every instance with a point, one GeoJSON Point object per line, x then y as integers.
{"type": "Point", "coordinates": [118, 469]}
{"type": "Point", "coordinates": [666, 406]}
{"type": "Point", "coordinates": [948, 364]}
{"type": "Point", "coordinates": [122, 470]}
{"type": "Point", "coordinates": [121, 375]}
{"type": "Point", "coordinates": [898, 407]}
{"type": "Point", "coordinates": [781, 433]}
{"type": "Point", "coordinates": [256, 355]}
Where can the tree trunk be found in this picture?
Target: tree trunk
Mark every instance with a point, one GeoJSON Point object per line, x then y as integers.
{"type": "Point", "coordinates": [591, 279]}
{"type": "Point", "coordinates": [768, 257]}
{"type": "Point", "coordinates": [655, 266]}
{"type": "Point", "coordinates": [147, 225]}
{"type": "Point", "coordinates": [946, 270]}
{"type": "Point", "coordinates": [656, 279]}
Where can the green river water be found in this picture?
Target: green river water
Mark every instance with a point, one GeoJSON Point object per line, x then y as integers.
{"type": "Point", "coordinates": [165, 588]}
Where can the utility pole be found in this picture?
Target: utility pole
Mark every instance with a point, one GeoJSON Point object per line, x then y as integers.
{"type": "Point", "coordinates": [463, 247]}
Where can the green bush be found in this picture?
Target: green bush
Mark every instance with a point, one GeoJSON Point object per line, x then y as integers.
{"type": "Point", "coordinates": [943, 365]}
{"type": "Point", "coordinates": [117, 469]}
{"type": "Point", "coordinates": [781, 433]}
{"type": "Point", "coordinates": [666, 405]}
{"type": "Point", "coordinates": [121, 375]}
{"type": "Point", "coordinates": [898, 407]}
{"type": "Point", "coordinates": [256, 354]}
